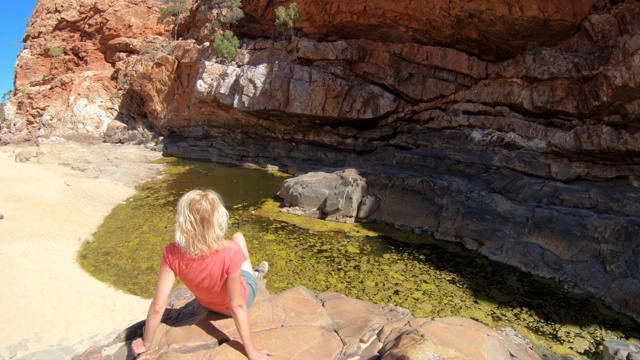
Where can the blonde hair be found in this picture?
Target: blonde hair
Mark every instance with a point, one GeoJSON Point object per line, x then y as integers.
{"type": "Point", "coordinates": [201, 222]}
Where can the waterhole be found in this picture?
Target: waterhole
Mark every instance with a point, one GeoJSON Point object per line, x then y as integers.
{"type": "Point", "coordinates": [371, 262]}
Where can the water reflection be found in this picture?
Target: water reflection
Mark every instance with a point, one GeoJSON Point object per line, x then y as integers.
{"type": "Point", "coordinates": [236, 185]}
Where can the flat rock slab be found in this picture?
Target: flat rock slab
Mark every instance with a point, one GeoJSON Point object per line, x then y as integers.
{"type": "Point", "coordinates": [298, 324]}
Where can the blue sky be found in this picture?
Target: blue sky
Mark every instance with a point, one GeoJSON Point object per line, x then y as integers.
{"type": "Point", "coordinates": [12, 27]}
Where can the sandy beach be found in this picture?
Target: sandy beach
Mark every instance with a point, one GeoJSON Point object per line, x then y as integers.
{"type": "Point", "coordinates": [52, 308]}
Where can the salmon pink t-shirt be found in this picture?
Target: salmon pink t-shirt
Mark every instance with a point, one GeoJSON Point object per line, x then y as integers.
{"type": "Point", "coordinates": [206, 275]}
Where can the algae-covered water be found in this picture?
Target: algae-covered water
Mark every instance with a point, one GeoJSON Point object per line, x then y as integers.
{"type": "Point", "coordinates": [371, 262]}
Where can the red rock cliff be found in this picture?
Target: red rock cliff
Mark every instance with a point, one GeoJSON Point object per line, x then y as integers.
{"type": "Point", "coordinates": [491, 29]}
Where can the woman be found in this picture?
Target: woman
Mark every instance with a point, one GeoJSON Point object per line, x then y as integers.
{"type": "Point", "coordinates": [217, 271]}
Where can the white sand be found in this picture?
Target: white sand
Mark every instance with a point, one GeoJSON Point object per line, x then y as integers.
{"type": "Point", "coordinates": [47, 300]}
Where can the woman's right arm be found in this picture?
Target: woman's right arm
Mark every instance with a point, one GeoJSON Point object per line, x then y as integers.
{"type": "Point", "coordinates": [166, 278]}
{"type": "Point", "coordinates": [241, 318]}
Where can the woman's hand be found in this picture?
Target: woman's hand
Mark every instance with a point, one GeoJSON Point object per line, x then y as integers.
{"type": "Point", "coordinates": [138, 347]}
{"type": "Point", "coordinates": [258, 354]}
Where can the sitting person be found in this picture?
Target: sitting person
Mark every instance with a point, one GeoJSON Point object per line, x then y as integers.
{"type": "Point", "coordinates": [217, 271]}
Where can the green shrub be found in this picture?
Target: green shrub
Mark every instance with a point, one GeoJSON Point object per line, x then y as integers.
{"type": "Point", "coordinates": [226, 45]}
{"type": "Point", "coordinates": [285, 18]}
{"type": "Point", "coordinates": [225, 13]}
{"type": "Point", "coordinates": [56, 51]}
{"type": "Point", "coordinates": [230, 11]}
{"type": "Point", "coordinates": [122, 80]}
{"type": "Point", "coordinates": [1, 113]}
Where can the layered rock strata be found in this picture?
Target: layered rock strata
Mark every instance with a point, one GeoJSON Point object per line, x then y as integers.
{"type": "Point", "coordinates": [512, 128]}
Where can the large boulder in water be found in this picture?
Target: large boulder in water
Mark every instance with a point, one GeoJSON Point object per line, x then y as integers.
{"type": "Point", "coordinates": [339, 196]}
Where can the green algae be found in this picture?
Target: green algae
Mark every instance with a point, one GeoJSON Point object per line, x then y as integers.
{"type": "Point", "coordinates": [270, 208]}
{"type": "Point", "coordinates": [369, 261]}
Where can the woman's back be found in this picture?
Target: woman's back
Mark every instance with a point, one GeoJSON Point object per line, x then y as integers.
{"type": "Point", "coordinates": [206, 275]}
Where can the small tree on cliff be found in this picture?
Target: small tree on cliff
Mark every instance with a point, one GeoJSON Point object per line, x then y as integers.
{"type": "Point", "coordinates": [226, 12]}
{"type": "Point", "coordinates": [286, 18]}
{"type": "Point", "coordinates": [5, 98]}
{"type": "Point", "coordinates": [226, 45]}
{"type": "Point", "coordinates": [173, 9]}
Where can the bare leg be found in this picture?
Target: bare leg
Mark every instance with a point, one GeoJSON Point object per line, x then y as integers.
{"type": "Point", "coordinates": [239, 239]}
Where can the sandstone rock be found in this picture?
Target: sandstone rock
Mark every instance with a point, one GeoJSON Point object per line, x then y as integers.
{"type": "Point", "coordinates": [358, 322]}
{"type": "Point", "coordinates": [441, 339]}
{"type": "Point", "coordinates": [295, 89]}
{"type": "Point", "coordinates": [72, 90]}
{"type": "Point", "coordinates": [620, 350]}
{"type": "Point", "coordinates": [127, 164]}
{"type": "Point", "coordinates": [26, 155]}
{"type": "Point", "coordinates": [470, 26]}
{"type": "Point", "coordinates": [115, 132]}
{"type": "Point", "coordinates": [298, 324]}
{"type": "Point", "coordinates": [336, 196]}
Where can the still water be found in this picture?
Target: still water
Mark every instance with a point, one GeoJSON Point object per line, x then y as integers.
{"type": "Point", "coordinates": [371, 262]}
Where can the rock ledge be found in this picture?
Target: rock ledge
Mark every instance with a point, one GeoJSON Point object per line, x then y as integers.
{"type": "Point", "coordinates": [298, 324]}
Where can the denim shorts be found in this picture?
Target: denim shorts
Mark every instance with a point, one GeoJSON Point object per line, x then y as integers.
{"type": "Point", "coordinates": [252, 287]}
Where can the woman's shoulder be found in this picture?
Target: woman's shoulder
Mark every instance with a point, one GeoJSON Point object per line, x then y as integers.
{"type": "Point", "coordinates": [229, 243]}
{"type": "Point", "coordinates": [230, 247]}
{"type": "Point", "coordinates": [172, 249]}
{"type": "Point", "coordinates": [172, 246]}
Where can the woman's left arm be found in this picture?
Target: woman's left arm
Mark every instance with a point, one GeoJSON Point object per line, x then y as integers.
{"type": "Point", "coordinates": [166, 278]}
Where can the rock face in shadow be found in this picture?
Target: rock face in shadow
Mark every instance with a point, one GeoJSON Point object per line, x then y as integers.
{"type": "Point", "coordinates": [510, 128]}
{"type": "Point", "coordinates": [298, 324]}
